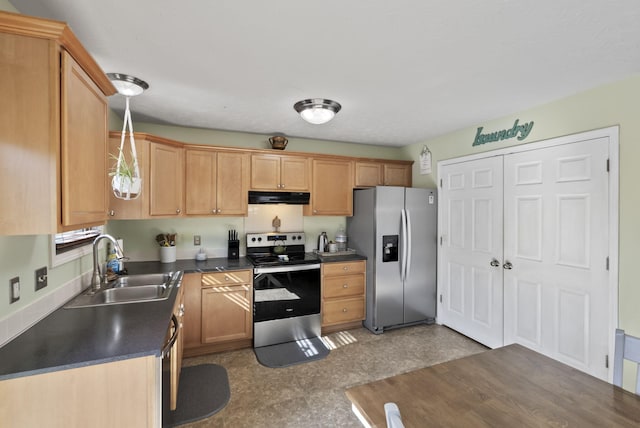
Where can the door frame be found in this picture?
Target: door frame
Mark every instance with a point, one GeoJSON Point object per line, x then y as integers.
{"type": "Point", "coordinates": [612, 133]}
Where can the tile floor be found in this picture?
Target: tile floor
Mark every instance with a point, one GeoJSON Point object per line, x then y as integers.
{"type": "Point", "coordinates": [312, 394]}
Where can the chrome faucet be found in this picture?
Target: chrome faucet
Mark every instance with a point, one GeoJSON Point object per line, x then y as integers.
{"type": "Point", "coordinates": [97, 280]}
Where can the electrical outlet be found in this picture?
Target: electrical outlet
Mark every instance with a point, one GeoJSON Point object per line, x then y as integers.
{"type": "Point", "coordinates": [14, 289]}
{"type": "Point", "coordinates": [196, 239]}
{"type": "Point", "coordinates": [41, 278]}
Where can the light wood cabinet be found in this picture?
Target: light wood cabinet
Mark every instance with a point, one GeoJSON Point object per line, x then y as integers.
{"type": "Point", "coordinates": [166, 174]}
{"type": "Point", "coordinates": [53, 128]}
{"type": "Point", "coordinates": [371, 174]}
{"type": "Point", "coordinates": [122, 393]}
{"type": "Point", "coordinates": [192, 284]}
{"type": "Point", "coordinates": [343, 293]}
{"type": "Point", "coordinates": [280, 172]}
{"type": "Point", "coordinates": [227, 306]}
{"type": "Point", "coordinates": [216, 182]}
{"type": "Point", "coordinates": [332, 188]}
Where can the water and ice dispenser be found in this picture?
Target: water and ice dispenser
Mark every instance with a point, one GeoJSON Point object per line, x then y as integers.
{"type": "Point", "coordinates": [389, 248]}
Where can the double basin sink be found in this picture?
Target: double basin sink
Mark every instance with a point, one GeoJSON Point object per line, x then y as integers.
{"type": "Point", "coordinates": [129, 289]}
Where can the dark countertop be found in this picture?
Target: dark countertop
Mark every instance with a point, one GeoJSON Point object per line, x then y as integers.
{"type": "Point", "coordinates": [345, 258]}
{"type": "Point", "coordinates": [77, 337]}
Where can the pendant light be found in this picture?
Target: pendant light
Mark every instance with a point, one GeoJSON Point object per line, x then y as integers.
{"type": "Point", "coordinates": [126, 181]}
{"type": "Point", "coordinates": [317, 110]}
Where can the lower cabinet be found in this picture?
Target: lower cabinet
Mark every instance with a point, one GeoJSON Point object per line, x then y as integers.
{"type": "Point", "coordinates": [218, 311]}
{"type": "Point", "coordinates": [343, 294]}
{"type": "Point", "coordinates": [177, 348]}
{"type": "Point", "coordinates": [122, 393]}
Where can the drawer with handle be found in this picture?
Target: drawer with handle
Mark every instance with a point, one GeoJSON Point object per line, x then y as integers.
{"type": "Point", "coordinates": [343, 286]}
{"type": "Point", "coordinates": [343, 268]}
{"type": "Point", "coordinates": [343, 310]}
{"type": "Point", "coordinates": [226, 278]}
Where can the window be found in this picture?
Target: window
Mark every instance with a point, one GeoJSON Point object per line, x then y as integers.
{"type": "Point", "coordinates": [72, 245]}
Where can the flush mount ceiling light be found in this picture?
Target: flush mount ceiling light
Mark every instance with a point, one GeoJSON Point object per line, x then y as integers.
{"type": "Point", "coordinates": [126, 85]}
{"type": "Point", "coordinates": [317, 110]}
{"type": "Point", "coordinates": [126, 181]}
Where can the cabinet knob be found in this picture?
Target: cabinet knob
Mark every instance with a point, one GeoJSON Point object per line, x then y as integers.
{"type": "Point", "coordinates": [344, 309]}
{"type": "Point", "coordinates": [345, 286]}
{"type": "Point", "coordinates": [315, 211]}
{"type": "Point", "coordinates": [345, 268]}
{"type": "Point", "coordinates": [112, 213]}
{"type": "Point", "coordinates": [282, 186]}
{"type": "Point", "coordinates": [178, 211]}
{"type": "Point", "coordinates": [213, 211]}
{"type": "Point", "coordinates": [219, 211]}
{"type": "Point", "coordinates": [226, 278]}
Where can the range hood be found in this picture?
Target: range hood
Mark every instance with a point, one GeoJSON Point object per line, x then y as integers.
{"type": "Point", "coordinates": [291, 198]}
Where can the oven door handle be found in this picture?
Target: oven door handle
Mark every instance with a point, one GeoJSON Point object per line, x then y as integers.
{"type": "Point", "coordinates": [288, 268]}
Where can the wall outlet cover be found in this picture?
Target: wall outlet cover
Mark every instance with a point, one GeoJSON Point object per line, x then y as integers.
{"type": "Point", "coordinates": [14, 289]}
{"type": "Point", "coordinates": [41, 278]}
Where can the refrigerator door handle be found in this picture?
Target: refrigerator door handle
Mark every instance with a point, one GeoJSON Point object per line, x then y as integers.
{"type": "Point", "coordinates": [403, 237]}
{"type": "Point", "coordinates": [409, 244]}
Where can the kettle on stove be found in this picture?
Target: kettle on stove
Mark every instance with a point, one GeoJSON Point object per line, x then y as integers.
{"type": "Point", "coordinates": [323, 241]}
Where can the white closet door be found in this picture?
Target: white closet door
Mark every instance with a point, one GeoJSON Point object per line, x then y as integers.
{"type": "Point", "coordinates": [471, 300]}
{"type": "Point", "coordinates": [556, 297]}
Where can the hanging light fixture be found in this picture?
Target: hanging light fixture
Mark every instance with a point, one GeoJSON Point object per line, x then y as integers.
{"type": "Point", "coordinates": [317, 110]}
{"type": "Point", "coordinates": [126, 181]}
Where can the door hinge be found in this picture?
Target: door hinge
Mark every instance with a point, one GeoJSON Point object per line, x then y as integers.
{"type": "Point", "coordinates": [441, 298]}
{"type": "Point", "coordinates": [441, 241]}
{"type": "Point", "coordinates": [607, 165]}
{"type": "Point", "coordinates": [606, 361]}
{"type": "Point", "coordinates": [607, 263]}
{"type": "Point", "coordinates": [441, 183]}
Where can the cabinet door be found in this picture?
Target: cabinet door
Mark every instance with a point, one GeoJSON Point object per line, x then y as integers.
{"type": "Point", "coordinates": [83, 147]}
{"type": "Point", "coordinates": [200, 182]}
{"type": "Point", "coordinates": [368, 174]}
{"type": "Point", "coordinates": [332, 188]}
{"type": "Point", "coordinates": [397, 175]}
{"type": "Point", "coordinates": [133, 209]}
{"type": "Point", "coordinates": [166, 175]}
{"type": "Point", "coordinates": [294, 173]}
{"type": "Point", "coordinates": [28, 166]}
{"type": "Point", "coordinates": [265, 172]}
{"type": "Point", "coordinates": [192, 283]}
{"type": "Point", "coordinates": [232, 183]}
{"type": "Point", "coordinates": [176, 350]}
{"type": "Point", "coordinates": [226, 313]}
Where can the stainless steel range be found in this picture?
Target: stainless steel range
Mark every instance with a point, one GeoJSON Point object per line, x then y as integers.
{"type": "Point", "coordinates": [286, 284]}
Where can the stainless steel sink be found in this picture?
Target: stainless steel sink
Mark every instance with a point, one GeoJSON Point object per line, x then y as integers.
{"type": "Point", "coordinates": [129, 289]}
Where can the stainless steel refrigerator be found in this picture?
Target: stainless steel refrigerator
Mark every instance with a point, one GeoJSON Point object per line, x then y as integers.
{"type": "Point", "coordinates": [395, 227]}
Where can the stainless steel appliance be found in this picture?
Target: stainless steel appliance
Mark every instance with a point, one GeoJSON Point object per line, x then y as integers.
{"type": "Point", "coordinates": [286, 288]}
{"type": "Point", "coordinates": [395, 228]}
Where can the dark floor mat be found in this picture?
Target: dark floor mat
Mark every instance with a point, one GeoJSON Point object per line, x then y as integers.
{"type": "Point", "coordinates": [203, 391]}
{"type": "Point", "coordinates": [291, 353]}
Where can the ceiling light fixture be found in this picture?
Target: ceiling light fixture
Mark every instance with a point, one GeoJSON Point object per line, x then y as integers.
{"type": "Point", "coordinates": [317, 110]}
{"type": "Point", "coordinates": [126, 181]}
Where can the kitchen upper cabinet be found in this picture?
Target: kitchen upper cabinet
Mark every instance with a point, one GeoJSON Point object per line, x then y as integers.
{"type": "Point", "coordinates": [166, 183]}
{"type": "Point", "coordinates": [280, 172]}
{"type": "Point", "coordinates": [332, 188]}
{"type": "Point", "coordinates": [120, 209]}
{"type": "Point", "coordinates": [216, 182]}
{"type": "Point", "coordinates": [53, 128]}
{"type": "Point", "coordinates": [371, 174]}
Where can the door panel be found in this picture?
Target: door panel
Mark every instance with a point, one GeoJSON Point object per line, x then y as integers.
{"type": "Point", "coordinates": [472, 224]}
{"type": "Point", "coordinates": [556, 223]}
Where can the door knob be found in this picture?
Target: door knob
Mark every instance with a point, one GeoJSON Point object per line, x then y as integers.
{"type": "Point", "coordinates": [495, 263]}
{"type": "Point", "coordinates": [507, 265]}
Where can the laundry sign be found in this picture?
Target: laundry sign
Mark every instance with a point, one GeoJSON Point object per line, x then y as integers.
{"type": "Point", "coordinates": [517, 131]}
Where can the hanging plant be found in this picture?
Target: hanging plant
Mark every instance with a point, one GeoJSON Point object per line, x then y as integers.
{"type": "Point", "coordinates": [126, 182]}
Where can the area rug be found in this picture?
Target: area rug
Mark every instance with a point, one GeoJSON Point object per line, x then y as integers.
{"type": "Point", "coordinates": [202, 392]}
{"type": "Point", "coordinates": [291, 353]}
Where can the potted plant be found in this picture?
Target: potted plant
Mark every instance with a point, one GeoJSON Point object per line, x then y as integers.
{"type": "Point", "coordinates": [125, 178]}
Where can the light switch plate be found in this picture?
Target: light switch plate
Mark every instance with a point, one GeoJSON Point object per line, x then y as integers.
{"type": "Point", "coordinates": [196, 239]}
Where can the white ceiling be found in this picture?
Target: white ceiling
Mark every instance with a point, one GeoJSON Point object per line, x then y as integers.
{"type": "Point", "coordinates": [404, 71]}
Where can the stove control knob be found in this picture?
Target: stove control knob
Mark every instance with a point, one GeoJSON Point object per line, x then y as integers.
{"type": "Point", "coordinates": [299, 237]}
{"type": "Point", "coordinates": [259, 239]}
{"type": "Point", "coordinates": [293, 237]}
{"type": "Point", "coordinates": [253, 239]}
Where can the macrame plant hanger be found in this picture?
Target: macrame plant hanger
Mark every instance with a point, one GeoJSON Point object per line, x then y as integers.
{"type": "Point", "coordinates": [126, 182]}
